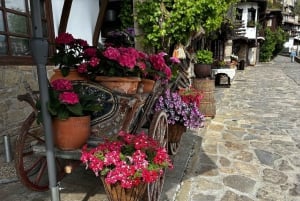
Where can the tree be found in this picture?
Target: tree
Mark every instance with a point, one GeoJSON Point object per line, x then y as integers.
{"type": "Point", "coordinates": [165, 22]}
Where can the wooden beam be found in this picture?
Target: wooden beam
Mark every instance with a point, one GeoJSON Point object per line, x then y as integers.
{"type": "Point", "coordinates": [65, 16]}
{"type": "Point", "coordinates": [103, 5]}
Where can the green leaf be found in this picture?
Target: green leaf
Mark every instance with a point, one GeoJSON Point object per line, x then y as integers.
{"type": "Point", "coordinates": [75, 109]}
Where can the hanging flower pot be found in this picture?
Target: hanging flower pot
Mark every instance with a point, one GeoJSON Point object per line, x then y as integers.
{"type": "Point", "coordinates": [115, 192]}
{"type": "Point", "coordinates": [71, 133]}
{"type": "Point", "coordinates": [175, 132]}
{"type": "Point", "coordinates": [127, 85]}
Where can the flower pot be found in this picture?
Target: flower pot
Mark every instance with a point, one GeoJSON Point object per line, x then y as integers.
{"type": "Point", "coordinates": [71, 133]}
{"type": "Point", "coordinates": [147, 85]}
{"type": "Point", "coordinates": [175, 132]}
{"type": "Point", "coordinates": [73, 75]}
{"type": "Point", "coordinates": [202, 70]}
{"type": "Point", "coordinates": [115, 192]}
{"type": "Point", "coordinates": [127, 85]}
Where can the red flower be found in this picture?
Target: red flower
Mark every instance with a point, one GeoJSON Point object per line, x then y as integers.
{"type": "Point", "coordinates": [64, 38]}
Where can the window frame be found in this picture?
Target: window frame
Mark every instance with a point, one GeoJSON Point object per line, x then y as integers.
{"type": "Point", "coordinates": [48, 18]}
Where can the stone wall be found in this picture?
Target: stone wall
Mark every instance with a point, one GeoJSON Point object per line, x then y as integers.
{"type": "Point", "coordinates": [12, 111]}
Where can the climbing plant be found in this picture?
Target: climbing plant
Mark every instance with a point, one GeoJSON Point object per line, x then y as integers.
{"type": "Point", "coordinates": [165, 22]}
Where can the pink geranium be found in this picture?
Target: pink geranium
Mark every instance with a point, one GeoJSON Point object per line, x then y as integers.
{"type": "Point", "coordinates": [128, 160]}
{"type": "Point", "coordinates": [67, 99]}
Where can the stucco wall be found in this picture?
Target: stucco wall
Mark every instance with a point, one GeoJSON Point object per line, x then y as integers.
{"type": "Point", "coordinates": [12, 111]}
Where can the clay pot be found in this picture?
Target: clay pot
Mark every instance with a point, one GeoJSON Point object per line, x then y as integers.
{"type": "Point", "coordinates": [127, 85]}
{"type": "Point", "coordinates": [73, 75]}
{"type": "Point", "coordinates": [71, 133]}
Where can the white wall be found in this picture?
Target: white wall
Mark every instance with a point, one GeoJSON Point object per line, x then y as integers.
{"type": "Point", "coordinates": [82, 19]}
{"type": "Point", "coordinates": [250, 31]}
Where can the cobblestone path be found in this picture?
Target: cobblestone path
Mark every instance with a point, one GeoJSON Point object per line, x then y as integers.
{"type": "Point", "coordinates": [251, 149]}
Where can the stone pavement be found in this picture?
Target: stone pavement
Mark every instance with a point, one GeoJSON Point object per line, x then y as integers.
{"type": "Point", "coordinates": [248, 152]}
{"type": "Point", "coordinates": [251, 149]}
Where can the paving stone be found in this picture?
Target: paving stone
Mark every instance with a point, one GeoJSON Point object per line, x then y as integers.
{"type": "Point", "coordinates": [240, 183]}
{"type": "Point", "coordinates": [284, 166]}
{"type": "Point", "coordinates": [270, 193]}
{"type": "Point", "coordinates": [244, 156]}
{"type": "Point", "coordinates": [231, 196]}
{"type": "Point", "coordinates": [202, 197]}
{"type": "Point", "coordinates": [202, 184]}
{"type": "Point", "coordinates": [224, 161]}
{"type": "Point", "coordinates": [266, 157]}
{"type": "Point", "coordinates": [295, 191]}
{"type": "Point", "coordinates": [274, 176]}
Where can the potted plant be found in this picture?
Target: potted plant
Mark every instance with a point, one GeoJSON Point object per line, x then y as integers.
{"type": "Point", "coordinates": [70, 108]}
{"type": "Point", "coordinates": [180, 114]}
{"type": "Point", "coordinates": [203, 60]}
{"type": "Point", "coordinates": [68, 56]}
{"type": "Point", "coordinates": [126, 164]}
{"type": "Point", "coordinates": [125, 63]}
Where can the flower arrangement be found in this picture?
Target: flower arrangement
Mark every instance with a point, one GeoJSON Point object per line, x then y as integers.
{"type": "Point", "coordinates": [191, 95]}
{"type": "Point", "coordinates": [67, 99]}
{"type": "Point", "coordinates": [179, 111]}
{"type": "Point", "coordinates": [161, 66]}
{"type": "Point", "coordinates": [129, 159]}
{"type": "Point", "coordinates": [125, 62]}
{"type": "Point", "coordinates": [113, 61]}
{"type": "Point", "coordinates": [69, 52]}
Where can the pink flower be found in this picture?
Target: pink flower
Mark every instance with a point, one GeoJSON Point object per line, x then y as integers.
{"type": "Point", "coordinates": [128, 160]}
{"type": "Point", "coordinates": [94, 61]}
{"type": "Point", "coordinates": [112, 53]}
{"type": "Point", "coordinates": [174, 60]}
{"type": "Point", "coordinates": [90, 52]}
{"type": "Point", "coordinates": [69, 98]}
{"type": "Point", "coordinates": [62, 85]}
{"type": "Point", "coordinates": [82, 68]}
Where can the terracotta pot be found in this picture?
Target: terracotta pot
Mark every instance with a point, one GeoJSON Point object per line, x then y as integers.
{"type": "Point", "coordinates": [71, 133]}
{"type": "Point", "coordinates": [175, 132]}
{"type": "Point", "coordinates": [73, 75]}
{"type": "Point", "coordinates": [115, 192]}
{"type": "Point", "coordinates": [127, 85]}
{"type": "Point", "coordinates": [202, 70]}
{"type": "Point", "coordinates": [147, 85]}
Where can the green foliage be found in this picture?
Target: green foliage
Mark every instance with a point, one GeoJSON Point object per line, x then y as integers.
{"type": "Point", "coordinates": [272, 45]}
{"type": "Point", "coordinates": [126, 15]}
{"type": "Point", "coordinates": [166, 22]}
{"type": "Point", "coordinates": [204, 57]}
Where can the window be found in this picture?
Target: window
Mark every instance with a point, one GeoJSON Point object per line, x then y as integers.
{"type": "Point", "coordinates": [239, 14]}
{"type": "Point", "coordinates": [16, 30]}
{"type": "Point", "coordinates": [251, 17]}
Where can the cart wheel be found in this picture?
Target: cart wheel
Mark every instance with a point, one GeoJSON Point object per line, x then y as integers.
{"type": "Point", "coordinates": [173, 147]}
{"type": "Point", "coordinates": [30, 167]}
{"type": "Point", "coordinates": [159, 131]}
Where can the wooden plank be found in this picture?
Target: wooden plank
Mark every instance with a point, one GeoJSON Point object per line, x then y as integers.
{"type": "Point", "coordinates": [65, 16]}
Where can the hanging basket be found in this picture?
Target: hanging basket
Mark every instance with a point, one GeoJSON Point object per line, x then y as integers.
{"type": "Point", "coordinates": [115, 192]}
{"type": "Point", "coordinates": [127, 85]}
{"type": "Point", "coordinates": [175, 132]}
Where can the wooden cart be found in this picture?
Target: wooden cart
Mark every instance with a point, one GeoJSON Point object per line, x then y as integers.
{"type": "Point", "coordinates": [131, 113]}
